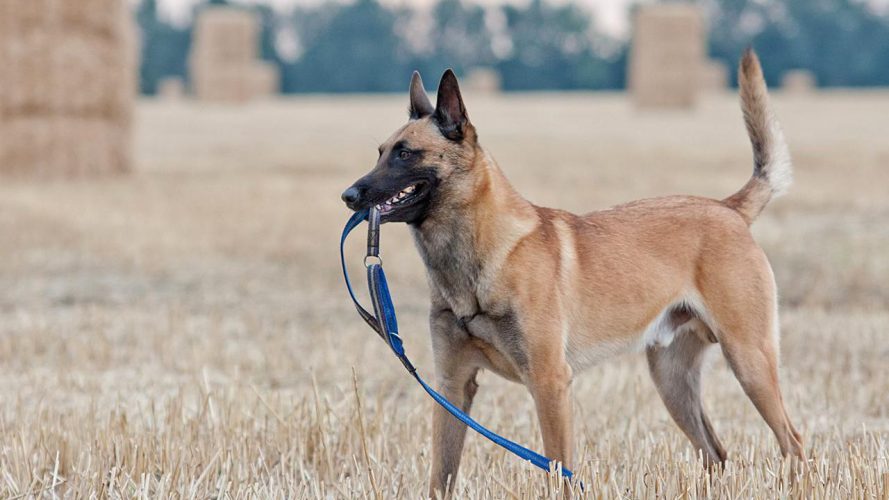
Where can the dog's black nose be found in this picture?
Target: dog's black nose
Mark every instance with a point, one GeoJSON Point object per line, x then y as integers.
{"type": "Point", "coordinates": [351, 196]}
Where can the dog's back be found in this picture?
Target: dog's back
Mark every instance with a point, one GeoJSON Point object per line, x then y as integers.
{"type": "Point", "coordinates": [607, 259]}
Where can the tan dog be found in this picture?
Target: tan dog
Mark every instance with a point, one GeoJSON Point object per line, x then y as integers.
{"type": "Point", "coordinates": [537, 294]}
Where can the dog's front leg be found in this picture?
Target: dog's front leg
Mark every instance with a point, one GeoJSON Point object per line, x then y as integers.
{"type": "Point", "coordinates": [455, 377]}
{"type": "Point", "coordinates": [549, 380]}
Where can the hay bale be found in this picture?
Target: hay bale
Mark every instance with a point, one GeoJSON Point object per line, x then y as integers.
{"type": "Point", "coordinates": [68, 86]}
{"type": "Point", "coordinates": [482, 81]}
{"type": "Point", "coordinates": [226, 35]}
{"type": "Point", "coordinates": [171, 88]}
{"type": "Point", "coordinates": [713, 77]}
{"type": "Point", "coordinates": [223, 83]}
{"type": "Point", "coordinates": [224, 63]}
{"type": "Point", "coordinates": [50, 146]}
{"type": "Point", "coordinates": [798, 81]}
{"type": "Point", "coordinates": [666, 55]}
{"type": "Point", "coordinates": [266, 79]}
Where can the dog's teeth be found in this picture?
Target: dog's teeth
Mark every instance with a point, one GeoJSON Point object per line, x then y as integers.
{"type": "Point", "coordinates": [409, 189]}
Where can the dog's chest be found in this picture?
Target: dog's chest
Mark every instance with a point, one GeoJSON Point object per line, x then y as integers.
{"type": "Point", "coordinates": [456, 278]}
{"type": "Point", "coordinates": [452, 269]}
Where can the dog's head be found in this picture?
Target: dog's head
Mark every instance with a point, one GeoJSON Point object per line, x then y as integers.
{"type": "Point", "coordinates": [423, 160]}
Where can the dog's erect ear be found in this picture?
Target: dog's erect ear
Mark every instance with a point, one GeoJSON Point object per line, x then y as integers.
{"type": "Point", "coordinates": [420, 105]}
{"type": "Point", "coordinates": [450, 114]}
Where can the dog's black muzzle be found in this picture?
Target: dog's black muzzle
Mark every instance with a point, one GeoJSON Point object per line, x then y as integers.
{"type": "Point", "coordinates": [352, 197]}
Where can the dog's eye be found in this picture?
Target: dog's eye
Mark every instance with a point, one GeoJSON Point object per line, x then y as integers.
{"type": "Point", "coordinates": [404, 154]}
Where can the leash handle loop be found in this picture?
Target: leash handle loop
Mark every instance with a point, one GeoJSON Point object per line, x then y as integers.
{"type": "Point", "coordinates": [373, 234]}
{"type": "Point", "coordinates": [356, 219]}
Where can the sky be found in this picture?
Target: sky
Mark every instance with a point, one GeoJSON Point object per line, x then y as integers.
{"type": "Point", "coordinates": [611, 15]}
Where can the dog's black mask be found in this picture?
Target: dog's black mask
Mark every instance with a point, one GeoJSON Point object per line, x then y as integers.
{"type": "Point", "coordinates": [402, 186]}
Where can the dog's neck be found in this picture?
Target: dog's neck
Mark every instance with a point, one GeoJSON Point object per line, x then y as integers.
{"type": "Point", "coordinates": [469, 234]}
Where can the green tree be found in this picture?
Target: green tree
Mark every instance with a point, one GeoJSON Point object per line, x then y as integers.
{"type": "Point", "coordinates": [267, 36]}
{"type": "Point", "coordinates": [355, 50]}
{"type": "Point", "coordinates": [552, 48]}
{"type": "Point", "coordinates": [842, 42]}
{"type": "Point", "coordinates": [164, 47]}
{"type": "Point", "coordinates": [460, 39]}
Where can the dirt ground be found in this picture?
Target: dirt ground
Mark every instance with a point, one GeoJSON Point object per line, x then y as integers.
{"type": "Point", "coordinates": [183, 330]}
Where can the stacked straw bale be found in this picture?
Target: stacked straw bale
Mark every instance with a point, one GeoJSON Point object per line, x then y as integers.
{"type": "Point", "coordinates": [171, 88]}
{"type": "Point", "coordinates": [266, 79]}
{"type": "Point", "coordinates": [798, 81]}
{"type": "Point", "coordinates": [713, 77]}
{"type": "Point", "coordinates": [666, 55]}
{"type": "Point", "coordinates": [482, 80]}
{"type": "Point", "coordinates": [67, 86]}
{"type": "Point", "coordinates": [224, 57]}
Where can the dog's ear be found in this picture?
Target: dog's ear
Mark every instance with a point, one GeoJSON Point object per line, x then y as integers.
{"type": "Point", "coordinates": [420, 105]}
{"type": "Point", "coordinates": [450, 114]}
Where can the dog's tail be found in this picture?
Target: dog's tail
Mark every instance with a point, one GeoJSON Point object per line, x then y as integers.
{"type": "Point", "coordinates": [772, 169]}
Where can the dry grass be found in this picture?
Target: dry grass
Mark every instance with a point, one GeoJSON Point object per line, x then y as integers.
{"type": "Point", "coordinates": [183, 331]}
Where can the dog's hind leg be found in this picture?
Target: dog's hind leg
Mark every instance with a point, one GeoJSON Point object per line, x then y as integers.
{"type": "Point", "coordinates": [746, 319]}
{"type": "Point", "coordinates": [756, 368]}
{"type": "Point", "coordinates": [676, 371]}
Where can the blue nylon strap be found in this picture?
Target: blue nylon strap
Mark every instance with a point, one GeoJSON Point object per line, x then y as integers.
{"type": "Point", "coordinates": [388, 330]}
{"type": "Point", "coordinates": [517, 449]}
{"type": "Point", "coordinates": [390, 327]}
{"type": "Point", "coordinates": [357, 218]}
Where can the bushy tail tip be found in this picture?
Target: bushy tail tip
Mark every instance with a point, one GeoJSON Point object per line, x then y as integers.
{"type": "Point", "coordinates": [772, 168]}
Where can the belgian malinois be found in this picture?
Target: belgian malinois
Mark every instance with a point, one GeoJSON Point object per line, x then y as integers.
{"type": "Point", "coordinates": [537, 294]}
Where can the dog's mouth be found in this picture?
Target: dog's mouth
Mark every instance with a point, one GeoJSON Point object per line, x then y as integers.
{"type": "Point", "coordinates": [404, 198]}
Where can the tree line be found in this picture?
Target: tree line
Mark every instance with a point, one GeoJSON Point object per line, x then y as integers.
{"type": "Point", "coordinates": [365, 46]}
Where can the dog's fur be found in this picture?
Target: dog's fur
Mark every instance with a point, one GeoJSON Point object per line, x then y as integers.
{"type": "Point", "coordinates": [537, 294]}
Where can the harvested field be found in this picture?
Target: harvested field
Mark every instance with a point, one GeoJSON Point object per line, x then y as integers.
{"type": "Point", "coordinates": [183, 331]}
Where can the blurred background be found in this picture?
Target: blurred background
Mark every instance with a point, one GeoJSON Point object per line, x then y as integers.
{"type": "Point", "coordinates": [370, 46]}
{"type": "Point", "coordinates": [172, 316]}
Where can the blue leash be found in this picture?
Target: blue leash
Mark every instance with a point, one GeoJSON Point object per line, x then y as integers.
{"type": "Point", "coordinates": [387, 329]}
